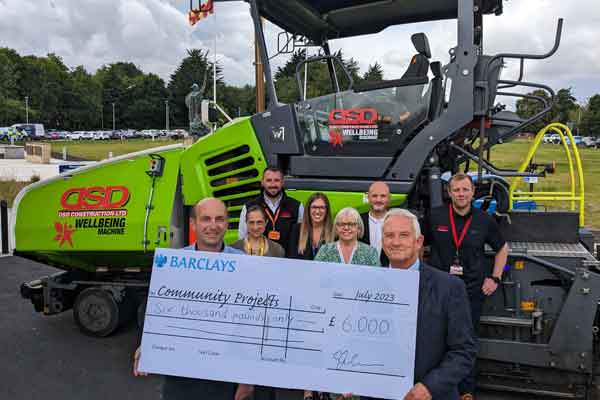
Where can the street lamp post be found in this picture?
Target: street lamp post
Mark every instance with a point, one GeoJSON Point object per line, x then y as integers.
{"type": "Point", "coordinates": [167, 115]}
{"type": "Point", "coordinates": [27, 109]}
{"type": "Point", "coordinates": [113, 109]}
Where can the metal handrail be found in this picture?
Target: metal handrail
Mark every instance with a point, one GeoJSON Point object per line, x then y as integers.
{"type": "Point", "coordinates": [572, 195]}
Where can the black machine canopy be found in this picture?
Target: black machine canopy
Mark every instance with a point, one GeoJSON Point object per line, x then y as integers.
{"type": "Point", "coordinates": [321, 20]}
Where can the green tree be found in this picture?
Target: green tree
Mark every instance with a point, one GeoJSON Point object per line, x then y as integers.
{"type": "Point", "coordinates": [10, 104]}
{"type": "Point", "coordinates": [561, 111]}
{"type": "Point", "coordinates": [590, 118]}
{"type": "Point", "coordinates": [117, 81]}
{"type": "Point", "coordinates": [83, 101]}
{"type": "Point", "coordinates": [43, 79]}
{"type": "Point", "coordinates": [237, 101]}
{"type": "Point", "coordinates": [146, 106]}
{"type": "Point", "coordinates": [527, 108]}
{"type": "Point", "coordinates": [319, 81]}
{"type": "Point", "coordinates": [374, 73]}
{"type": "Point", "coordinates": [564, 104]}
{"type": "Point", "coordinates": [289, 68]}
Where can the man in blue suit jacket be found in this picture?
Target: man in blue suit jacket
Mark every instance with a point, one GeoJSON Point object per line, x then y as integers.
{"type": "Point", "coordinates": [445, 348]}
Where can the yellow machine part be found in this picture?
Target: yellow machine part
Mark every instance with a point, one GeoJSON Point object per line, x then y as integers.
{"type": "Point", "coordinates": [576, 195]}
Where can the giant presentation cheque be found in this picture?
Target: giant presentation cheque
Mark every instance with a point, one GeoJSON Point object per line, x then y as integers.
{"type": "Point", "coordinates": [282, 323]}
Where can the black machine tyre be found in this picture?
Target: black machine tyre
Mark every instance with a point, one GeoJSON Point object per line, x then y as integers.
{"type": "Point", "coordinates": [96, 312]}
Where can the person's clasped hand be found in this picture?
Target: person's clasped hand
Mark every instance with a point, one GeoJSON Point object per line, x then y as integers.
{"type": "Point", "coordinates": [136, 363]}
{"type": "Point", "coordinates": [418, 392]}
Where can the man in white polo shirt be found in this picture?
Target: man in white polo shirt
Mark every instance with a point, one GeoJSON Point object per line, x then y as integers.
{"type": "Point", "coordinates": [379, 201]}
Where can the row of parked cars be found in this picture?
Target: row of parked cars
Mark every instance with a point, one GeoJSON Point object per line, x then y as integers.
{"type": "Point", "coordinates": [117, 134]}
{"type": "Point", "coordinates": [21, 132]}
{"type": "Point", "coordinates": [581, 141]}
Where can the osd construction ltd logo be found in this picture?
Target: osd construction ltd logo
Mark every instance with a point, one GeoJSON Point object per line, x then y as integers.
{"type": "Point", "coordinates": [94, 198]}
{"type": "Point", "coordinates": [97, 208]}
{"type": "Point", "coordinates": [352, 123]}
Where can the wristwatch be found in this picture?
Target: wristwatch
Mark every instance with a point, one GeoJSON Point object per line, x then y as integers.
{"type": "Point", "coordinates": [495, 279]}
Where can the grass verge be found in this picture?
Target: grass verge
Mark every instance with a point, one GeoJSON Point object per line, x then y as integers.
{"type": "Point", "coordinates": [95, 150]}
{"type": "Point", "coordinates": [10, 189]}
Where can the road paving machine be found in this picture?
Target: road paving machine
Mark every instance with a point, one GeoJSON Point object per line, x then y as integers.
{"type": "Point", "coordinates": [99, 224]}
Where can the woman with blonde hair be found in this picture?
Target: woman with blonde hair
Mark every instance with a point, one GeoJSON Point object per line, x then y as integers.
{"type": "Point", "coordinates": [315, 229]}
{"type": "Point", "coordinates": [347, 249]}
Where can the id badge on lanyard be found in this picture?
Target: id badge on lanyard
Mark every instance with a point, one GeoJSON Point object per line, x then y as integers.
{"type": "Point", "coordinates": [456, 268]}
{"type": "Point", "coordinates": [273, 233]}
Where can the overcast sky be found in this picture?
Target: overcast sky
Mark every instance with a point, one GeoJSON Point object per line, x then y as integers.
{"type": "Point", "coordinates": [154, 34]}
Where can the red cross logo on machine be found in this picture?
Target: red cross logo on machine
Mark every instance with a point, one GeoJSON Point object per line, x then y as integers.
{"type": "Point", "coordinates": [63, 233]}
{"type": "Point", "coordinates": [335, 138]}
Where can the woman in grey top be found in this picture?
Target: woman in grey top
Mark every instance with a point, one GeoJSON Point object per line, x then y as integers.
{"type": "Point", "coordinates": [255, 243]}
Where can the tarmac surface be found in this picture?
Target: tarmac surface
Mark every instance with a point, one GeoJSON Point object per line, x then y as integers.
{"type": "Point", "coordinates": [46, 357]}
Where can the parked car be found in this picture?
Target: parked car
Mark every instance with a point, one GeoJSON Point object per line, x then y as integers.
{"type": "Point", "coordinates": [101, 135]}
{"type": "Point", "coordinates": [77, 135]}
{"type": "Point", "coordinates": [177, 134]}
{"type": "Point", "coordinates": [118, 134]}
{"type": "Point", "coordinates": [132, 134]}
{"type": "Point", "coordinates": [551, 138]}
{"type": "Point", "coordinates": [548, 138]}
{"type": "Point", "coordinates": [150, 133]}
{"type": "Point", "coordinates": [578, 140]}
{"type": "Point", "coordinates": [52, 135]}
{"type": "Point", "coordinates": [590, 142]}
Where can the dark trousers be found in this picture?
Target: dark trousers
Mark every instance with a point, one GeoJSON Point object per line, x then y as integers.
{"type": "Point", "coordinates": [469, 384]}
{"type": "Point", "coordinates": [178, 388]}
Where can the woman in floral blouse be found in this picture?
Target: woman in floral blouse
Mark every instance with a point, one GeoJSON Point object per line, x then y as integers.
{"type": "Point", "coordinates": [347, 249]}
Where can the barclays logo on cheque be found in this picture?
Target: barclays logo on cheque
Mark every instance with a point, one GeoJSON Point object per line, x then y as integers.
{"type": "Point", "coordinates": [160, 260]}
{"type": "Point", "coordinates": [195, 263]}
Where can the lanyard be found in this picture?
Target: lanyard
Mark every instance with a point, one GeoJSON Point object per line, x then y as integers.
{"type": "Point", "coordinates": [458, 241]}
{"type": "Point", "coordinates": [271, 217]}
{"type": "Point", "coordinates": [261, 248]}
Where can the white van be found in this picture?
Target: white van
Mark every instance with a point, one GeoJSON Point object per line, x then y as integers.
{"type": "Point", "coordinates": [34, 131]}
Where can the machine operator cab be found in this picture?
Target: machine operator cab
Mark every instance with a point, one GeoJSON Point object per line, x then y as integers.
{"type": "Point", "coordinates": [372, 119]}
{"type": "Point", "coordinates": [373, 130]}
{"type": "Point", "coordinates": [355, 131]}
